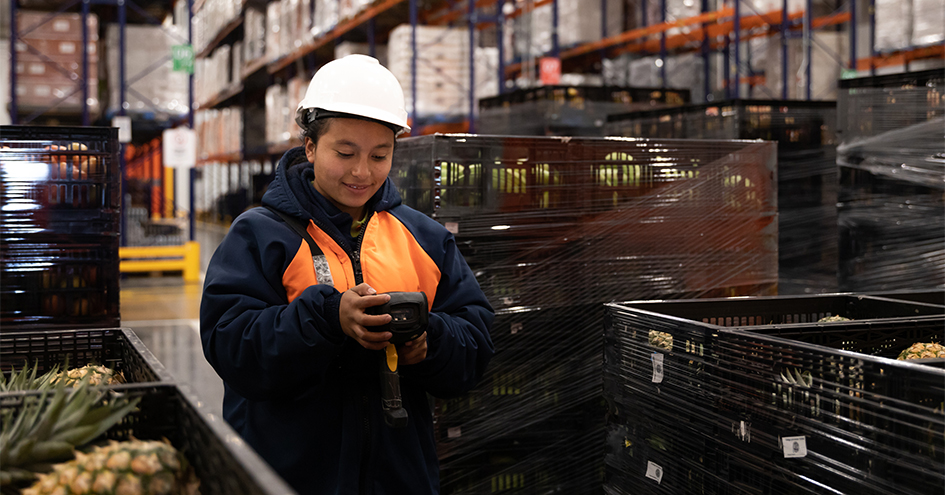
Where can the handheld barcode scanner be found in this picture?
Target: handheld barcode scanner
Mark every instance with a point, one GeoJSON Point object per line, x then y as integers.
{"type": "Point", "coordinates": [409, 318]}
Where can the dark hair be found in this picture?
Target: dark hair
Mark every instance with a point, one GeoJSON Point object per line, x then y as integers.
{"type": "Point", "coordinates": [311, 128]}
{"type": "Point", "coordinates": [315, 128]}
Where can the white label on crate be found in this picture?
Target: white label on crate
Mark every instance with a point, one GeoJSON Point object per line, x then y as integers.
{"type": "Point", "coordinates": [654, 471]}
{"type": "Point", "coordinates": [794, 446]}
{"type": "Point", "coordinates": [516, 327]}
{"type": "Point", "coordinates": [61, 25]}
{"type": "Point", "coordinates": [66, 47]}
{"type": "Point", "coordinates": [454, 432]}
{"type": "Point", "coordinates": [452, 227]}
{"type": "Point", "coordinates": [657, 359]}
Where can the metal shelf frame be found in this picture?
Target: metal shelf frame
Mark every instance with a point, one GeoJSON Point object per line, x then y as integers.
{"type": "Point", "coordinates": [86, 8]}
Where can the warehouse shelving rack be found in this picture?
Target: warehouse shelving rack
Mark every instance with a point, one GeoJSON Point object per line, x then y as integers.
{"type": "Point", "coordinates": [712, 31]}
{"type": "Point", "coordinates": [142, 12]}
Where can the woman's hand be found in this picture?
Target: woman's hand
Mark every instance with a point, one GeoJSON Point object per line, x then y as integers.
{"type": "Point", "coordinates": [414, 351]}
{"type": "Point", "coordinates": [353, 319]}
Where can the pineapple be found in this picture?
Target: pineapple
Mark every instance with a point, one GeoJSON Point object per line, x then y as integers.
{"type": "Point", "coordinates": [661, 340]}
{"type": "Point", "coordinates": [923, 351]}
{"type": "Point", "coordinates": [48, 427]}
{"type": "Point", "coordinates": [98, 375]}
{"type": "Point", "coordinates": [133, 467]}
{"type": "Point", "coordinates": [828, 319]}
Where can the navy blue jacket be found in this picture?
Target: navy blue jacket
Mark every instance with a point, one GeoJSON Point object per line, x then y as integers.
{"type": "Point", "coordinates": [304, 395]}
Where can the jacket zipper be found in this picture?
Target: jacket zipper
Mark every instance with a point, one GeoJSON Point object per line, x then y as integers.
{"type": "Point", "coordinates": [355, 257]}
{"type": "Point", "coordinates": [363, 479]}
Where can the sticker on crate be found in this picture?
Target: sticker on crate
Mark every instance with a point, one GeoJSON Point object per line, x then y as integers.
{"type": "Point", "coordinates": [657, 359]}
{"type": "Point", "coordinates": [742, 430]}
{"type": "Point", "coordinates": [654, 471]}
{"type": "Point", "coordinates": [794, 446]}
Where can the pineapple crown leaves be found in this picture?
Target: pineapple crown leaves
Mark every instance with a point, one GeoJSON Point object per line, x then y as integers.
{"type": "Point", "coordinates": [26, 379]}
{"type": "Point", "coordinates": [803, 380]}
{"type": "Point", "coordinates": [47, 430]}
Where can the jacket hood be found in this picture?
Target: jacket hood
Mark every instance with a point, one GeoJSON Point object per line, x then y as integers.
{"type": "Point", "coordinates": [286, 192]}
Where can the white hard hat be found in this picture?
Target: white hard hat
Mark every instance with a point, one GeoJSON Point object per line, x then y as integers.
{"type": "Point", "coordinates": [356, 85]}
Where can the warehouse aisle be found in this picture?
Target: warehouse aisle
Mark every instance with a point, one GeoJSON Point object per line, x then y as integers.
{"type": "Point", "coordinates": [164, 312]}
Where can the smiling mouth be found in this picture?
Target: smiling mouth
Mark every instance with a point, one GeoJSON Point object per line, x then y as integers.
{"type": "Point", "coordinates": [356, 187]}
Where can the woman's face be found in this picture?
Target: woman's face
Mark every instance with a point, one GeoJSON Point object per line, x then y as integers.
{"type": "Point", "coordinates": [352, 160]}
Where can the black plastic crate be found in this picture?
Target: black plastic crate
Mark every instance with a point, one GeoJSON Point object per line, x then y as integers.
{"type": "Point", "coordinates": [890, 207]}
{"type": "Point", "coordinates": [116, 348]}
{"type": "Point", "coordinates": [59, 180]}
{"type": "Point", "coordinates": [780, 372]}
{"type": "Point", "coordinates": [922, 296]}
{"type": "Point", "coordinates": [222, 462]}
{"type": "Point", "coordinates": [545, 458]}
{"type": "Point", "coordinates": [872, 107]}
{"type": "Point", "coordinates": [870, 425]}
{"type": "Point", "coordinates": [806, 171]}
{"type": "Point", "coordinates": [878, 326]}
{"type": "Point", "coordinates": [567, 110]}
{"type": "Point", "coordinates": [655, 459]}
{"type": "Point", "coordinates": [59, 282]}
{"type": "Point", "coordinates": [559, 221]}
{"type": "Point", "coordinates": [900, 80]}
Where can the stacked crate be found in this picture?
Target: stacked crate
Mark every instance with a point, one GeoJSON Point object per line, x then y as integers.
{"type": "Point", "coordinates": [222, 463]}
{"type": "Point", "coordinates": [567, 110]}
{"type": "Point", "coordinates": [59, 227]}
{"type": "Point", "coordinates": [49, 61]}
{"type": "Point", "coordinates": [760, 396]}
{"type": "Point", "coordinates": [891, 212]}
{"type": "Point", "coordinates": [806, 177]}
{"type": "Point", "coordinates": [553, 228]}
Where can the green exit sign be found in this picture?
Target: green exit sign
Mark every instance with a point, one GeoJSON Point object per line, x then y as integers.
{"type": "Point", "coordinates": [183, 58]}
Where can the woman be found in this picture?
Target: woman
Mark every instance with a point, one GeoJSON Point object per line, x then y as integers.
{"type": "Point", "coordinates": [286, 326]}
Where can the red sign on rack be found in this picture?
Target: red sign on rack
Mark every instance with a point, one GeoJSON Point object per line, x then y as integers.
{"type": "Point", "coordinates": [550, 70]}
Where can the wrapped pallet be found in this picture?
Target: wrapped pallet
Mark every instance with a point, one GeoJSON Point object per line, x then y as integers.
{"type": "Point", "coordinates": [553, 228]}
{"type": "Point", "coordinates": [891, 214]}
{"type": "Point", "coordinates": [49, 61]}
{"type": "Point", "coordinates": [442, 69]}
{"type": "Point", "coordinates": [160, 89]}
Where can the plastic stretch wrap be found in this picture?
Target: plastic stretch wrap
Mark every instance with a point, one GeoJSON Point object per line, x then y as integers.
{"type": "Point", "coordinates": [59, 227]}
{"type": "Point", "coordinates": [553, 228]}
{"type": "Point", "coordinates": [872, 106]}
{"type": "Point", "coordinates": [567, 110]}
{"type": "Point", "coordinates": [891, 213]}
{"type": "Point", "coordinates": [778, 402]}
{"type": "Point", "coordinates": [807, 175]}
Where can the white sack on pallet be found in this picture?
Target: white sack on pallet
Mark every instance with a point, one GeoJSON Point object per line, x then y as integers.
{"type": "Point", "coordinates": [162, 89]}
{"type": "Point", "coordinates": [928, 25]}
{"type": "Point", "coordinates": [346, 48]}
{"type": "Point", "coordinates": [893, 24]}
{"type": "Point", "coordinates": [578, 22]}
{"type": "Point", "coordinates": [825, 69]}
{"type": "Point", "coordinates": [442, 68]}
